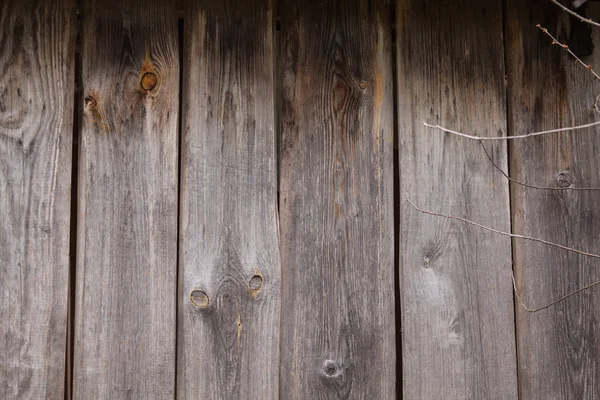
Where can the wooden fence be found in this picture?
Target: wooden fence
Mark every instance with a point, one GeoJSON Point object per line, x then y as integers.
{"type": "Point", "coordinates": [211, 201]}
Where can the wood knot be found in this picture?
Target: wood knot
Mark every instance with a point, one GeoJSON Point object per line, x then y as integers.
{"type": "Point", "coordinates": [149, 80]}
{"type": "Point", "coordinates": [340, 95]}
{"type": "Point", "coordinates": [363, 85]}
{"type": "Point", "coordinates": [431, 253]}
{"type": "Point", "coordinates": [330, 369]}
{"type": "Point", "coordinates": [564, 179]}
{"type": "Point", "coordinates": [90, 102]}
{"type": "Point", "coordinates": [255, 283]}
{"type": "Point", "coordinates": [199, 298]}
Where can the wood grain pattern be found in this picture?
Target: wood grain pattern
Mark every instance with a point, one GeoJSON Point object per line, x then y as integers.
{"type": "Point", "coordinates": [558, 347]}
{"type": "Point", "coordinates": [36, 128]}
{"type": "Point", "coordinates": [455, 280]}
{"type": "Point", "coordinates": [127, 210]}
{"type": "Point", "coordinates": [336, 201]}
{"type": "Point", "coordinates": [230, 288]}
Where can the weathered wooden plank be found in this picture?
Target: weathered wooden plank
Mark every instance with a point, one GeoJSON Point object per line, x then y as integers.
{"type": "Point", "coordinates": [36, 128]}
{"type": "Point", "coordinates": [457, 307]}
{"type": "Point", "coordinates": [228, 345]}
{"type": "Point", "coordinates": [558, 347]}
{"type": "Point", "coordinates": [127, 209]}
{"type": "Point", "coordinates": [336, 201]}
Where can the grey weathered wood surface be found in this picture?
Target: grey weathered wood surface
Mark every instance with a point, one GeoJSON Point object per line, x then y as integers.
{"type": "Point", "coordinates": [336, 201]}
{"type": "Point", "coordinates": [458, 336]}
{"type": "Point", "coordinates": [230, 269]}
{"type": "Point", "coordinates": [127, 206]}
{"type": "Point", "coordinates": [558, 347]}
{"type": "Point", "coordinates": [36, 116]}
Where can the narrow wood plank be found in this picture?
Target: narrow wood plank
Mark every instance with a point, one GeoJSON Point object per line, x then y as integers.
{"type": "Point", "coordinates": [457, 305]}
{"type": "Point", "coordinates": [230, 288]}
{"type": "Point", "coordinates": [336, 201]}
{"type": "Point", "coordinates": [36, 128]}
{"type": "Point", "coordinates": [558, 347]}
{"type": "Point", "coordinates": [127, 209]}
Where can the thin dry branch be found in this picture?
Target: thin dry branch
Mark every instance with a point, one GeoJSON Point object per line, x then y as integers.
{"type": "Point", "coordinates": [534, 310]}
{"type": "Point", "coordinates": [513, 235]}
{"type": "Point", "coordinates": [528, 309]}
{"type": "Point", "coordinates": [566, 47]}
{"type": "Point", "coordinates": [581, 18]}
{"type": "Point", "coordinates": [527, 135]}
{"type": "Point", "coordinates": [474, 137]}
{"type": "Point", "coordinates": [526, 184]}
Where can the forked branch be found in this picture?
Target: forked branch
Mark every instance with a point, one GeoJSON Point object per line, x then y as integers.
{"type": "Point", "coordinates": [534, 310]}
{"type": "Point", "coordinates": [528, 309]}
{"type": "Point", "coordinates": [497, 167]}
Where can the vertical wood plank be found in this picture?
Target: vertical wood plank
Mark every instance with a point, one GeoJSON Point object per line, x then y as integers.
{"type": "Point", "coordinates": [336, 201]}
{"type": "Point", "coordinates": [457, 306]}
{"type": "Point", "coordinates": [230, 263]}
{"type": "Point", "coordinates": [37, 41]}
{"type": "Point", "coordinates": [557, 347]}
{"type": "Point", "coordinates": [127, 209]}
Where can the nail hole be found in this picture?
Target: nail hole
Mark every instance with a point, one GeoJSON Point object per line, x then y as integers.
{"type": "Point", "coordinates": [149, 80]}
{"type": "Point", "coordinates": [199, 298]}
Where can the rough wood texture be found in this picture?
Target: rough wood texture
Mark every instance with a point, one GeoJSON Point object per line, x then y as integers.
{"type": "Point", "coordinates": [457, 306]}
{"type": "Point", "coordinates": [36, 116]}
{"type": "Point", "coordinates": [336, 201]}
{"type": "Point", "coordinates": [230, 266]}
{"type": "Point", "coordinates": [558, 347]}
{"type": "Point", "coordinates": [127, 210]}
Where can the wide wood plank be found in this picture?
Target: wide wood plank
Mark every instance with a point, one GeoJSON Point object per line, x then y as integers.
{"type": "Point", "coordinates": [127, 209]}
{"type": "Point", "coordinates": [228, 345]}
{"type": "Point", "coordinates": [455, 280]}
{"type": "Point", "coordinates": [336, 201]}
{"type": "Point", "coordinates": [558, 347]}
{"type": "Point", "coordinates": [36, 129]}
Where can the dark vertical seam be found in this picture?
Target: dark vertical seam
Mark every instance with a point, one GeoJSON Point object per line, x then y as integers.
{"type": "Point", "coordinates": [71, 285]}
{"type": "Point", "coordinates": [277, 94]}
{"type": "Point", "coordinates": [276, 27]}
{"type": "Point", "coordinates": [180, 31]}
{"type": "Point", "coordinates": [396, 212]}
{"type": "Point", "coordinates": [507, 92]}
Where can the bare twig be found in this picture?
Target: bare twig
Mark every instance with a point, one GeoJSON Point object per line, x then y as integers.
{"type": "Point", "coordinates": [534, 310]}
{"type": "Point", "coordinates": [525, 184]}
{"type": "Point", "coordinates": [570, 128]}
{"type": "Point", "coordinates": [566, 47]}
{"type": "Point", "coordinates": [467, 136]}
{"type": "Point", "coordinates": [531, 310]}
{"type": "Point", "coordinates": [513, 235]}
{"type": "Point", "coordinates": [581, 18]}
